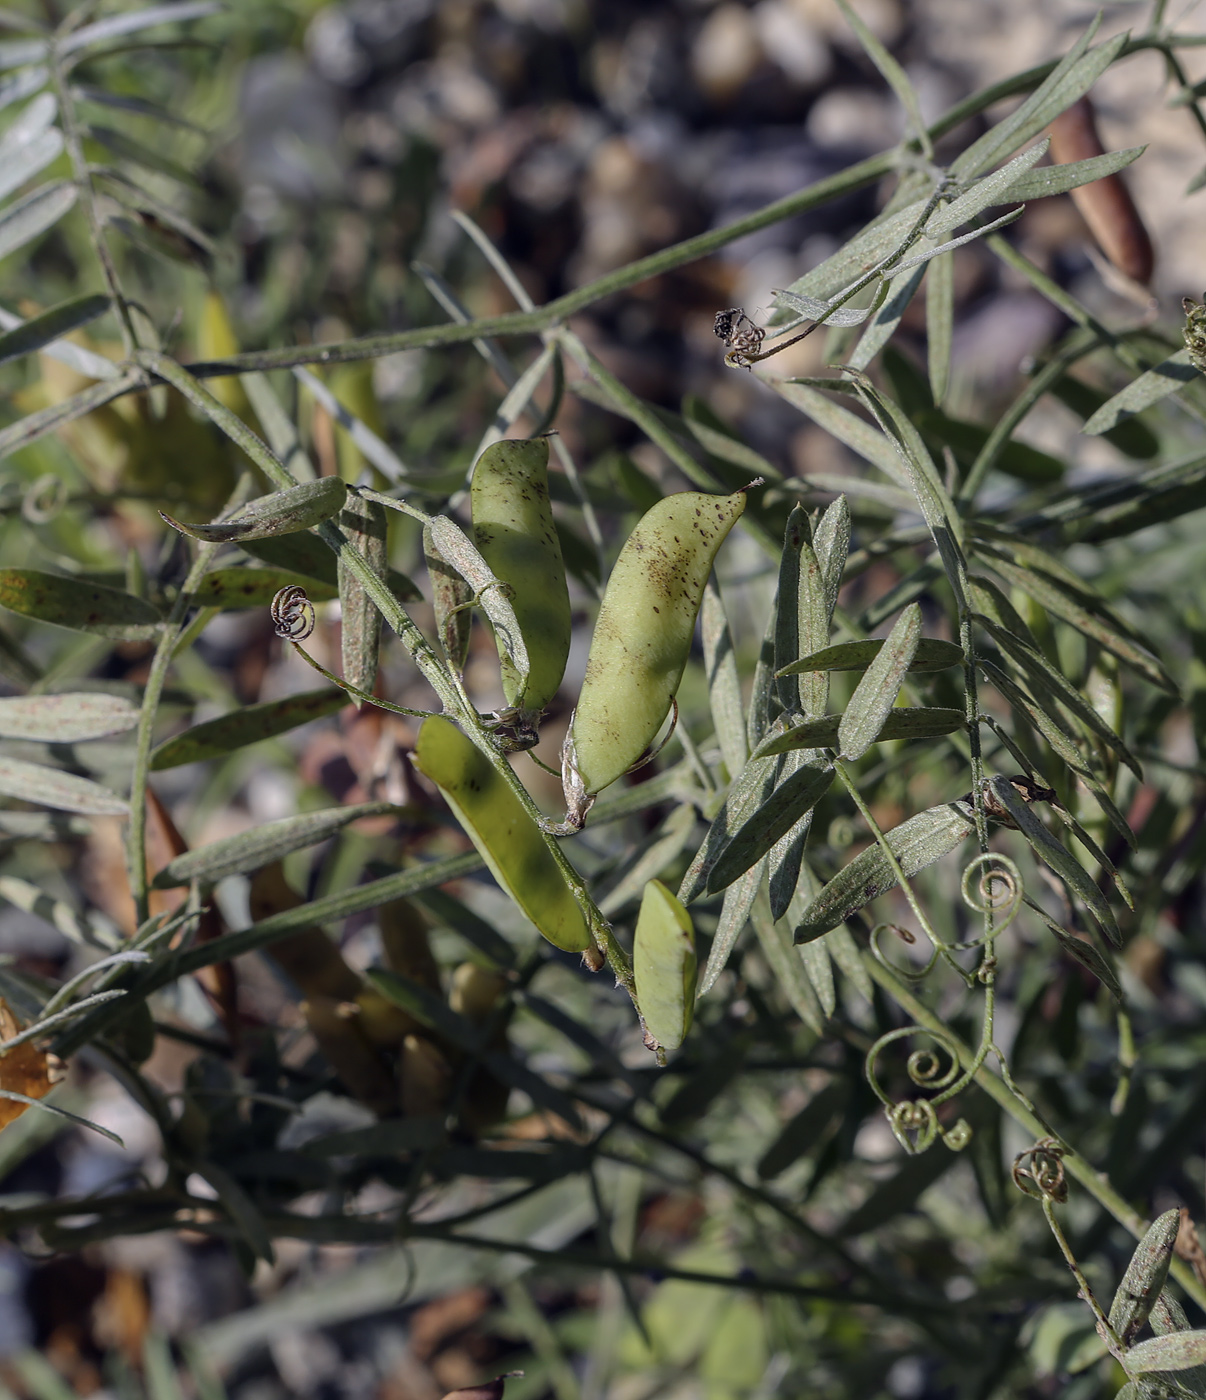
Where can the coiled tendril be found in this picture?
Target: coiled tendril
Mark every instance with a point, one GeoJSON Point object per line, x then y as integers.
{"type": "Point", "coordinates": [996, 891]}
{"type": "Point", "coordinates": [293, 613]}
{"type": "Point", "coordinates": [1039, 1171]}
{"type": "Point", "coordinates": [914, 1122]}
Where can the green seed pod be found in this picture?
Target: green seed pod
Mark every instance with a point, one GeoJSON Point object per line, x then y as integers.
{"type": "Point", "coordinates": [506, 836]}
{"type": "Point", "coordinates": [663, 963]}
{"type": "Point", "coordinates": [514, 531]}
{"type": "Point", "coordinates": [450, 598]}
{"type": "Point", "coordinates": [642, 639]}
{"type": "Point", "coordinates": [364, 523]}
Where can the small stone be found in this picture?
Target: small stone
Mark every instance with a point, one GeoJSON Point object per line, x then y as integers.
{"type": "Point", "coordinates": [726, 52]}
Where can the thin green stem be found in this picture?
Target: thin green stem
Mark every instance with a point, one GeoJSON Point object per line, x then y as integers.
{"type": "Point", "coordinates": [1103, 1322]}
{"type": "Point", "coordinates": [165, 651]}
{"type": "Point", "coordinates": [848, 782]}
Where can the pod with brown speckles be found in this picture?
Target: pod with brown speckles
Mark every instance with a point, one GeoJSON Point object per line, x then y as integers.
{"type": "Point", "coordinates": [642, 639]}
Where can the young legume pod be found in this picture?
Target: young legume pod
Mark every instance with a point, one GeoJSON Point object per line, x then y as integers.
{"type": "Point", "coordinates": [507, 838]}
{"type": "Point", "coordinates": [642, 639]}
{"type": "Point", "coordinates": [514, 531]}
{"type": "Point", "coordinates": [663, 964]}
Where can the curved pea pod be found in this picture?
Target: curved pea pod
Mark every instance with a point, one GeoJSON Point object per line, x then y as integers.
{"type": "Point", "coordinates": [663, 963]}
{"type": "Point", "coordinates": [405, 946]}
{"type": "Point", "coordinates": [424, 1077]}
{"type": "Point", "coordinates": [515, 534]}
{"type": "Point", "coordinates": [360, 623]}
{"type": "Point", "coordinates": [334, 1024]}
{"type": "Point", "coordinates": [642, 639]}
{"type": "Point", "coordinates": [506, 836]}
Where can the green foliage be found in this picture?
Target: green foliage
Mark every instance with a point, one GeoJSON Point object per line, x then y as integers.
{"type": "Point", "coordinates": [1043, 668]}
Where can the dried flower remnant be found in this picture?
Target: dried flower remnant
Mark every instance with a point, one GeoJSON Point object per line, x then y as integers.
{"type": "Point", "coordinates": [293, 613]}
{"type": "Point", "coordinates": [24, 1069]}
{"type": "Point", "coordinates": [1039, 1171]}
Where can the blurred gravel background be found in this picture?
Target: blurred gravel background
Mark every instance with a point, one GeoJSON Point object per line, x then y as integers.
{"type": "Point", "coordinates": [581, 134]}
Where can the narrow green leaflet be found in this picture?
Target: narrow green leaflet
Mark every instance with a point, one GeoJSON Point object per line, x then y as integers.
{"type": "Point", "coordinates": [939, 323]}
{"type": "Point", "coordinates": [281, 513]}
{"type": "Point", "coordinates": [663, 964]}
{"type": "Point", "coordinates": [298, 554]}
{"type": "Point", "coordinates": [115, 26]}
{"type": "Point", "coordinates": [1062, 742]}
{"type": "Point", "coordinates": [1168, 1316]}
{"type": "Point", "coordinates": [774, 938]}
{"type": "Point", "coordinates": [1046, 680]}
{"type": "Point", "coordinates": [249, 850]}
{"type": "Point", "coordinates": [218, 737]}
{"type": "Point", "coordinates": [734, 915]}
{"type": "Point", "coordinates": [815, 958]}
{"type": "Point", "coordinates": [1144, 1278]}
{"type": "Point", "coordinates": [881, 238]}
{"type": "Point", "coordinates": [31, 159]}
{"type": "Point", "coordinates": [932, 654]}
{"type": "Point", "coordinates": [849, 961]}
{"type": "Point", "coordinates": [1057, 856]}
{"type": "Point", "coordinates": [919, 842]}
{"type": "Point", "coordinates": [945, 523]}
{"type": "Point", "coordinates": [918, 259]}
{"type": "Point", "coordinates": [22, 85]}
{"type": "Point", "coordinates": [901, 722]}
{"type": "Point", "coordinates": [38, 332]}
{"type": "Point", "coordinates": [22, 221]}
{"type": "Point", "coordinates": [1157, 383]}
{"type": "Point", "coordinates": [787, 621]}
{"type": "Point", "coordinates": [1083, 951]}
{"type": "Point", "coordinates": [1071, 78]}
{"type": "Point", "coordinates": [724, 683]}
{"type": "Point", "coordinates": [900, 292]}
{"type": "Point", "coordinates": [1090, 616]}
{"type": "Point", "coordinates": [749, 790]}
{"type": "Point", "coordinates": [374, 450]}
{"type": "Point", "coordinates": [78, 604]}
{"type": "Point", "coordinates": [855, 432]}
{"type": "Point", "coordinates": [651, 860]}
{"type": "Point", "coordinates": [1179, 1351]}
{"type": "Point", "coordinates": [51, 787]}
{"type": "Point", "coordinates": [787, 804]}
{"type": "Point", "coordinates": [893, 74]}
{"type": "Point", "coordinates": [1059, 179]}
{"type": "Point", "coordinates": [65, 718]}
{"type": "Point", "coordinates": [807, 1130]}
{"type": "Point", "coordinates": [876, 693]}
{"type": "Point", "coordinates": [233, 588]}
{"type": "Point", "coordinates": [812, 309]}
{"type": "Point", "coordinates": [68, 353]}
{"type": "Point", "coordinates": [993, 189]}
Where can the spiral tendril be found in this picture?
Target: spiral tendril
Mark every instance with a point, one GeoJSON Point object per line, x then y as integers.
{"type": "Point", "coordinates": [293, 614]}
{"type": "Point", "coordinates": [997, 889]}
{"type": "Point", "coordinates": [913, 974]}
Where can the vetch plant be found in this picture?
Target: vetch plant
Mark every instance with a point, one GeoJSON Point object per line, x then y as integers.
{"type": "Point", "coordinates": [963, 671]}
